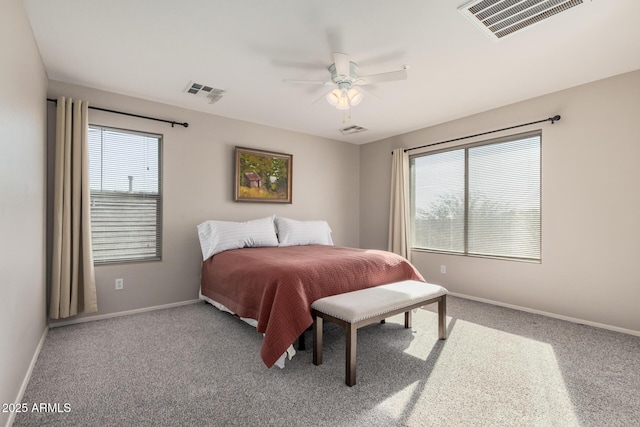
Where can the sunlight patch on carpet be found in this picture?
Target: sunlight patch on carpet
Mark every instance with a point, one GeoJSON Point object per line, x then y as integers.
{"type": "Point", "coordinates": [517, 366]}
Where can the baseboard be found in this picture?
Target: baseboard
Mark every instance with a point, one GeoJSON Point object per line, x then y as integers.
{"type": "Point", "coordinates": [27, 377]}
{"type": "Point", "coordinates": [122, 313]}
{"type": "Point", "coordinates": [544, 313]}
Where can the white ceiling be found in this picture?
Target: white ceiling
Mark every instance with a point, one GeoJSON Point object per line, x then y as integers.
{"type": "Point", "coordinates": [152, 49]}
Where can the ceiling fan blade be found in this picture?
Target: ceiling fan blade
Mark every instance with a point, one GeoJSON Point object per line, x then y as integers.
{"type": "Point", "coordinates": [308, 82]}
{"type": "Point", "coordinates": [382, 77]}
{"type": "Point", "coordinates": [369, 92]}
{"type": "Point", "coordinates": [323, 96]}
{"type": "Point", "coordinates": [342, 63]}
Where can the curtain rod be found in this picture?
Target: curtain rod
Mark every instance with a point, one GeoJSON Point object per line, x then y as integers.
{"type": "Point", "coordinates": [550, 119]}
{"type": "Point", "coordinates": [171, 122]}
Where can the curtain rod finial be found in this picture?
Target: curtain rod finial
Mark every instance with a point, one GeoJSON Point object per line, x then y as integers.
{"type": "Point", "coordinates": [555, 118]}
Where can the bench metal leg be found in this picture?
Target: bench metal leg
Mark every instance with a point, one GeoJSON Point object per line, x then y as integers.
{"type": "Point", "coordinates": [351, 334]}
{"type": "Point", "coordinates": [407, 319]}
{"type": "Point", "coordinates": [442, 318]}
{"type": "Point", "coordinates": [317, 340]}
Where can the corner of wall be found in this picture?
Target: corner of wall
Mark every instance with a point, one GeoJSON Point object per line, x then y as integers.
{"type": "Point", "coordinates": [23, 85]}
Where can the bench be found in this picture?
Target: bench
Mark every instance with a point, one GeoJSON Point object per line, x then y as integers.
{"type": "Point", "coordinates": [356, 309]}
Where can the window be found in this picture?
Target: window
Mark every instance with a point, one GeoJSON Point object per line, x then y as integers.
{"type": "Point", "coordinates": [482, 199]}
{"type": "Point", "coordinates": [126, 195]}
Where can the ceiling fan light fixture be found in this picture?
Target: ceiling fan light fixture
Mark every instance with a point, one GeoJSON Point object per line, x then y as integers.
{"type": "Point", "coordinates": [334, 96]}
{"type": "Point", "coordinates": [354, 97]}
{"type": "Point", "coordinates": [344, 99]}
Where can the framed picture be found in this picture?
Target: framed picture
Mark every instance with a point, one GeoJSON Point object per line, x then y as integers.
{"type": "Point", "coordinates": [263, 176]}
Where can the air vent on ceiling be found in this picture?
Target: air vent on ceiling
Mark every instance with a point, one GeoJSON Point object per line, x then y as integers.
{"type": "Point", "coordinates": [204, 91]}
{"type": "Point", "coordinates": [350, 130]}
{"type": "Point", "coordinates": [501, 18]}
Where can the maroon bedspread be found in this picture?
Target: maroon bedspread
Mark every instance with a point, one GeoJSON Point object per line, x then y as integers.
{"type": "Point", "coordinates": [277, 285]}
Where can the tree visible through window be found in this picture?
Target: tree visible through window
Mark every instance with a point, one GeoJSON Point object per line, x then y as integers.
{"type": "Point", "coordinates": [482, 199]}
{"type": "Point", "coordinates": [126, 195]}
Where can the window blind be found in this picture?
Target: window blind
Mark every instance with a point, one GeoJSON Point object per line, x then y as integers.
{"type": "Point", "coordinates": [483, 199]}
{"type": "Point", "coordinates": [438, 197]}
{"type": "Point", "coordinates": [126, 195]}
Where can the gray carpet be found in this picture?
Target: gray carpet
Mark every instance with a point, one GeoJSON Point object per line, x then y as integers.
{"type": "Point", "coordinates": [196, 366]}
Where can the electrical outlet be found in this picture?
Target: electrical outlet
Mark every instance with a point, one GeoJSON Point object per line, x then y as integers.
{"type": "Point", "coordinates": [119, 284]}
{"type": "Point", "coordinates": [443, 269]}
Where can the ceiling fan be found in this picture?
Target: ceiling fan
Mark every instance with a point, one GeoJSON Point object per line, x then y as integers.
{"type": "Point", "coordinates": [344, 74]}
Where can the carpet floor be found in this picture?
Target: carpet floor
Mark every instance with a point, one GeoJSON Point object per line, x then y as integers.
{"type": "Point", "coordinates": [196, 366]}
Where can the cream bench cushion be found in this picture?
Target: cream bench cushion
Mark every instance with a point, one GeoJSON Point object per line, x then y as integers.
{"type": "Point", "coordinates": [362, 304]}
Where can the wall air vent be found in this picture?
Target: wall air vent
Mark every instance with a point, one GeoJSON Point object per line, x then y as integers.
{"type": "Point", "coordinates": [350, 130]}
{"type": "Point", "coordinates": [204, 91]}
{"type": "Point", "coordinates": [501, 18]}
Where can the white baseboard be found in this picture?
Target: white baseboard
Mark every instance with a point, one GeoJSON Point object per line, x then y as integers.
{"type": "Point", "coordinates": [544, 313]}
{"type": "Point", "coordinates": [27, 377]}
{"type": "Point", "coordinates": [122, 313]}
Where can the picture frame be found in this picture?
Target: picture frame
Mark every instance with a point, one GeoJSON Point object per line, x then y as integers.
{"type": "Point", "coordinates": [263, 176]}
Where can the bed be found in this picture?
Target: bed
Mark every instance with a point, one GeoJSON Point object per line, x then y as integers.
{"type": "Point", "coordinates": [275, 285]}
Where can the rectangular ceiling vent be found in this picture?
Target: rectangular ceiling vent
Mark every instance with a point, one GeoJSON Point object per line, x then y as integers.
{"type": "Point", "coordinates": [204, 91]}
{"type": "Point", "coordinates": [501, 18]}
{"type": "Point", "coordinates": [350, 130]}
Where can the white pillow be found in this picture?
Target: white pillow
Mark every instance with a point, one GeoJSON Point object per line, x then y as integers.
{"type": "Point", "coordinates": [219, 236]}
{"type": "Point", "coordinates": [297, 233]}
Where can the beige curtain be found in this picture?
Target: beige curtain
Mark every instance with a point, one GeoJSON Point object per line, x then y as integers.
{"type": "Point", "coordinates": [399, 240]}
{"type": "Point", "coordinates": [73, 285]}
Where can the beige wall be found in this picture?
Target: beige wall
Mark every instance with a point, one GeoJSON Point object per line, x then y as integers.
{"type": "Point", "coordinates": [198, 185]}
{"type": "Point", "coordinates": [590, 266]}
{"type": "Point", "coordinates": [23, 85]}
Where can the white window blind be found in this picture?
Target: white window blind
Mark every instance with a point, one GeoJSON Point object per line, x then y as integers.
{"type": "Point", "coordinates": [482, 199]}
{"type": "Point", "coordinates": [126, 195]}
